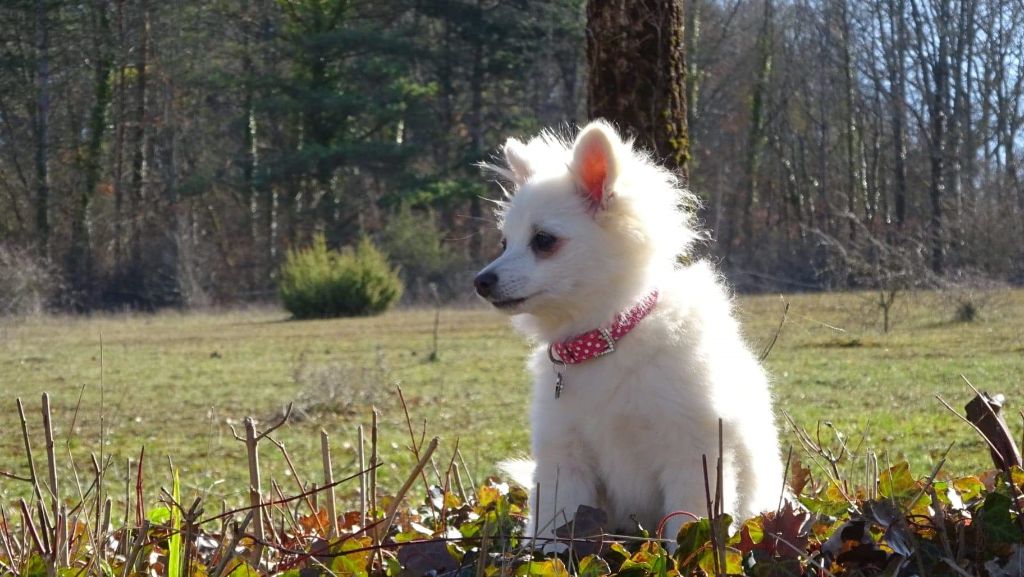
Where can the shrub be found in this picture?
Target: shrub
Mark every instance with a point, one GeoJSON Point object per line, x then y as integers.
{"type": "Point", "coordinates": [28, 285]}
{"type": "Point", "coordinates": [317, 282]}
{"type": "Point", "coordinates": [416, 244]}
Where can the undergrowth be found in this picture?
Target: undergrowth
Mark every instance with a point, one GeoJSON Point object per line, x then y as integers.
{"type": "Point", "coordinates": [882, 521]}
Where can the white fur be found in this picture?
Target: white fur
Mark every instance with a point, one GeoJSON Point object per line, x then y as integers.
{"type": "Point", "coordinates": [630, 428]}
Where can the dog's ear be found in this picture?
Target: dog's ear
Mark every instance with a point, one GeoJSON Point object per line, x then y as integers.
{"type": "Point", "coordinates": [515, 158]}
{"type": "Point", "coordinates": [594, 162]}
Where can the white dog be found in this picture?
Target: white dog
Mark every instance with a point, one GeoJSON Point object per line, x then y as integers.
{"type": "Point", "coordinates": [641, 355]}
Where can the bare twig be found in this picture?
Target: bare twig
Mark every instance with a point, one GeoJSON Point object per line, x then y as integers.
{"type": "Point", "coordinates": [51, 456]}
{"type": "Point", "coordinates": [255, 491]}
{"type": "Point", "coordinates": [362, 477]}
{"type": "Point", "coordinates": [278, 424]}
{"type": "Point", "coordinates": [136, 546]}
{"type": "Point", "coordinates": [311, 503]}
{"type": "Point", "coordinates": [325, 453]}
{"type": "Point", "coordinates": [28, 451]}
{"type": "Point", "coordinates": [711, 518]}
{"type": "Point", "coordinates": [26, 517]}
{"type": "Point", "coordinates": [778, 331]}
{"type": "Point", "coordinates": [389, 517]}
{"type": "Point", "coordinates": [412, 436]}
{"type": "Point", "coordinates": [229, 552]}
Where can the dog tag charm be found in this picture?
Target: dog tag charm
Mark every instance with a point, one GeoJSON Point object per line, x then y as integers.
{"type": "Point", "coordinates": [558, 384]}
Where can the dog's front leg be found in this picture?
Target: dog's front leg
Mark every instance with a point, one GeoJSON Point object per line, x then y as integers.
{"type": "Point", "coordinates": [564, 485]}
{"type": "Point", "coordinates": [683, 488]}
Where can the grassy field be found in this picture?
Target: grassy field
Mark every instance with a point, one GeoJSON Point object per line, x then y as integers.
{"type": "Point", "coordinates": [175, 383]}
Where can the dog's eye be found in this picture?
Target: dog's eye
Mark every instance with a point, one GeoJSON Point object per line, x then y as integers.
{"type": "Point", "coordinates": [543, 242]}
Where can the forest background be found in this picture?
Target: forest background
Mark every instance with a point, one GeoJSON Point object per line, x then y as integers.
{"type": "Point", "coordinates": [169, 153]}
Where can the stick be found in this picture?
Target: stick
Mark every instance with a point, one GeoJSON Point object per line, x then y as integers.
{"type": "Point", "coordinates": [362, 478]}
{"type": "Point", "coordinates": [373, 464]}
{"type": "Point", "coordinates": [325, 452]}
{"type": "Point", "coordinates": [28, 451]}
{"type": "Point", "coordinates": [51, 456]}
{"type": "Point", "coordinates": [255, 496]}
{"type": "Point", "coordinates": [400, 495]}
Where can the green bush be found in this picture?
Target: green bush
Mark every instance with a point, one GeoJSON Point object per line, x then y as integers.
{"type": "Point", "coordinates": [318, 283]}
{"type": "Point", "coordinates": [415, 242]}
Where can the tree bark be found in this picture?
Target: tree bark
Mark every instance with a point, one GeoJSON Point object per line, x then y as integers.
{"type": "Point", "coordinates": [80, 255]}
{"type": "Point", "coordinates": [42, 126]}
{"type": "Point", "coordinates": [898, 107]}
{"type": "Point", "coordinates": [756, 137]}
{"type": "Point", "coordinates": [638, 73]}
{"type": "Point", "coordinates": [141, 155]}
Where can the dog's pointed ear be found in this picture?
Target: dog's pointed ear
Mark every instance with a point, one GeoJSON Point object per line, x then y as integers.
{"type": "Point", "coordinates": [594, 162]}
{"type": "Point", "coordinates": [515, 158]}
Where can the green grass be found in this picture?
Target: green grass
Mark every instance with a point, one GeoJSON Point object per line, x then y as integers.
{"type": "Point", "coordinates": [177, 382]}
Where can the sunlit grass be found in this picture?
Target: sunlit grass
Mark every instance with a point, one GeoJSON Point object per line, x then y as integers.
{"type": "Point", "coordinates": [178, 382]}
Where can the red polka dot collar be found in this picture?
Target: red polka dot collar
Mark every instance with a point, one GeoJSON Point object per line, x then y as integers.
{"type": "Point", "coordinates": [601, 341]}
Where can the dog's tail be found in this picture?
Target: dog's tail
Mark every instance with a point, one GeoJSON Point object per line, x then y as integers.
{"type": "Point", "coordinates": [518, 471]}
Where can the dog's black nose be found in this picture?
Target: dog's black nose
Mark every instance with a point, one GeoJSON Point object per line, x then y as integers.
{"type": "Point", "coordinates": [484, 283]}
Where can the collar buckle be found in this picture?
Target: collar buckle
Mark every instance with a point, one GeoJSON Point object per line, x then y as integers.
{"type": "Point", "coordinates": [606, 335]}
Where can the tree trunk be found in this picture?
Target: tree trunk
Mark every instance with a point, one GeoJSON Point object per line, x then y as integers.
{"type": "Point", "coordinates": [476, 133]}
{"type": "Point", "coordinates": [119, 123]}
{"type": "Point", "coordinates": [42, 126]}
{"type": "Point", "coordinates": [693, 74]}
{"type": "Point", "coordinates": [141, 155]}
{"type": "Point", "coordinates": [638, 72]}
{"type": "Point", "coordinates": [80, 265]}
{"type": "Point", "coordinates": [756, 137]}
{"type": "Point", "coordinates": [853, 178]}
{"type": "Point", "coordinates": [897, 107]}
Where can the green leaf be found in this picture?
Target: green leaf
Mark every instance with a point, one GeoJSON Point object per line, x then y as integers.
{"type": "Point", "coordinates": [593, 566]}
{"type": "Point", "coordinates": [159, 515]}
{"type": "Point", "coordinates": [546, 568]}
{"type": "Point", "coordinates": [997, 521]}
{"type": "Point", "coordinates": [829, 502]}
{"type": "Point", "coordinates": [355, 557]}
{"type": "Point", "coordinates": [897, 482]}
{"type": "Point", "coordinates": [969, 488]}
{"type": "Point", "coordinates": [692, 538]}
{"type": "Point", "coordinates": [239, 568]}
{"type": "Point", "coordinates": [733, 562]}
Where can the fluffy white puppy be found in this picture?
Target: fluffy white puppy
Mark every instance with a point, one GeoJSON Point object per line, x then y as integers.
{"type": "Point", "coordinates": [593, 234]}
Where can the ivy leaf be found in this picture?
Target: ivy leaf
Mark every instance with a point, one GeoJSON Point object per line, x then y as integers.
{"type": "Point", "coordinates": [968, 488]}
{"type": "Point", "coordinates": [353, 555]}
{"type": "Point", "coordinates": [997, 522]}
{"type": "Point", "coordinates": [593, 566]}
{"type": "Point", "coordinates": [693, 538]}
{"type": "Point", "coordinates": [733, 562]}
{"type": "Point", "coordinates": [419, 558]}
{"type": "Point", "coordinates": [782, 532]}
{"type": "Point", "coordinates": [587, 522]}
{"type": "Point", "coordinates": [897, 482]}
{"type": "Point", "coordinates": [830, 502]}
{"type": "Point", "coordinates": [886, 515]}
{"type": "Point", "coordinates": [546, 568]}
